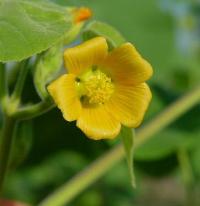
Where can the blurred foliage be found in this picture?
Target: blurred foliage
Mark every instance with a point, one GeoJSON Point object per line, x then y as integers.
{"type": "Point", "coordinates": [165, 32]}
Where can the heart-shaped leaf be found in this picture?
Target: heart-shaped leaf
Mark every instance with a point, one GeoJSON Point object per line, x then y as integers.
{"type": "Point", "coordinates": [34, 26]}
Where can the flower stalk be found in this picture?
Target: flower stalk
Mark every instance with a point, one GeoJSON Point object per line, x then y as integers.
{"type": "Point", "coordinates": [82, 180]}
{"type": "Point", "coordinates": [32, 111]}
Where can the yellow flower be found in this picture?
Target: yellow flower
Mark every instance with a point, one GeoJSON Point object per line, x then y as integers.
{"type": "Point", "coordinates": [103, 89]}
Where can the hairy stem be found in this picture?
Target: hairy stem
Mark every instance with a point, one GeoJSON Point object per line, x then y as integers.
{"type": "Point", "coordinates": [5, 146]}
{"type": "Point", "coordinates": [94, 171]}
{"type": "Point", "coordinates": [10, 105]}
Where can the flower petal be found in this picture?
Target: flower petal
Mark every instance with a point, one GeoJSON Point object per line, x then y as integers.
{"type": "Point", "coordinates": [63, 90]}
{"type": "Point", "coordinates": [97, 123]}
{"type": "Point", "coordinates": [83, 56]}
{"type": "Point", "coordinates": [129, 104]}
{"type": "Point", "coordinates": [126, 65]}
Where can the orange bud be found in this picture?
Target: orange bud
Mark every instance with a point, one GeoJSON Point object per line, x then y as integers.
{"type": "Point", "coordinates": [82, 14]}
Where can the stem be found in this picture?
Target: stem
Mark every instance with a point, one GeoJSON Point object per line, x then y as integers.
{"type": "Point", "coordinates": [35, 110]}
{"type": "Point", "coordinates": [21, 79]}
{"type": "Point", "coordinates": [5, 146]}
{"type": "Point", "coordinates": [10, 122]}
{"type": "Point", "coordinates": [13, 113]}
{"type": "Point", "coordinates": [85, 178]}
{"type": "Point", "coordinates": [3, 86]}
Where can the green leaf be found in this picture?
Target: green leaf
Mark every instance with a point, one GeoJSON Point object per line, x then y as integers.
{"type": "Point", "coordinates": [28, 27]}
{"type": "Point", "coordinates": [96, 28]}
{"type": "Point", "coordinates": [128, 136]}
{"type": "Point", "coordinates": [47, 69]}
{"type": "Point", "coordinates": [166, 143]}
{"type": "Point", "coordinates": [22, 143]}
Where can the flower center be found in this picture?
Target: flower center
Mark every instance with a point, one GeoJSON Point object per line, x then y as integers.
{"type": "Point", "coordinates": [95, 87]}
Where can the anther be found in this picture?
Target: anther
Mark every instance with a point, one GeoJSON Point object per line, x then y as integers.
{"type": "Point", "coordinates": [77, 79]}
{"type": "Point", "coordinates": [94, 68]}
